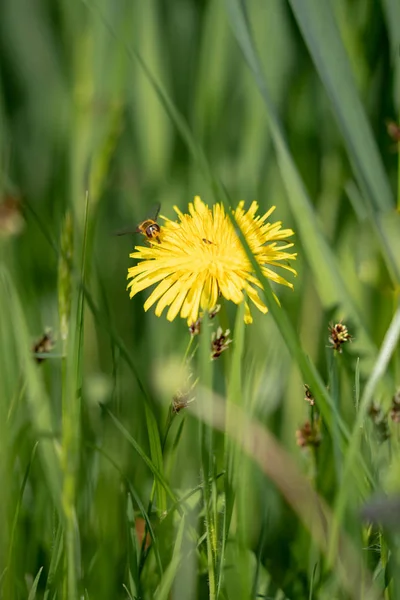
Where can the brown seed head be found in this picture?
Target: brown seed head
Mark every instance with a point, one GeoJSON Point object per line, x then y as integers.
{"type": "Point", "coordinates": [195, 327]}
{"type": "Point", "coordinates": [309, 434]}
{"type": "Point", "coordinates": [43, 346]}
{"type": "Point", "coordinates": [219, 342]}
{"type": "Point", "coordinates": [308, 395]}
{"type": "Point", "coordinates": [181, 400]}
{"type": "Point", "coordinates": [338, 336]}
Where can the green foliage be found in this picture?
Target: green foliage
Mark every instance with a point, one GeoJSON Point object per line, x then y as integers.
{"type": "Point", "coordinates": [131, 465]}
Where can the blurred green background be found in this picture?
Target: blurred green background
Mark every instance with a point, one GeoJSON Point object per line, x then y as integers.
{"type": "Point", "coordinates": [116, 101]}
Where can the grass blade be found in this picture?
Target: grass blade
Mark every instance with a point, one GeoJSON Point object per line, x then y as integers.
{"type": "Point", "coordinates": [318, 26]}
{"type": "Point", "coordinates": [153, 468]}
{"type": "Point", "coordinates": [331, 286]}
{"type": "Point", "coordinates": [33, 590]}
{"type": "Point", "coordinates": [388, 347]}
{"type": "Point", "coordinates": [172, 569]}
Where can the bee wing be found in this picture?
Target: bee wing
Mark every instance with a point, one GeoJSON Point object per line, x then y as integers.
{"type": "Point", "coordinates": [153, 212]}
{"type": "Point", "coordinates": [126, 231]}
{"type": "Point", "coordinates": [157, 210]}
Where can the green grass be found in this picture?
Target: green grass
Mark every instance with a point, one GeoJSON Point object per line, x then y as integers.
{"type": "Point", "coordinates": [106, 109]}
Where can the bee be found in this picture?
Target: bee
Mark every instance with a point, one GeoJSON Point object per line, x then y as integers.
{"type": "Point", "coordinates": [149, 227]}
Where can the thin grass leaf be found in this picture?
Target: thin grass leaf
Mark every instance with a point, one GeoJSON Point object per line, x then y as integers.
{"type": "Point", "coordinates": [207, 454]}
{"type": "Point", "coordinates": [319, 30]}
{"type": "Point", "coordinates": [171, 571]}
{"type": "Point", "coordinates": [391, 9]}
{"type": "Point", "coordinates": [37, 399]}
{"type": "Point", "coordinates": [303, 206]}
{"type": "Point", "coordinates": [325, 403]}
{"type": "Point", "coordinates": [138, 501]}
{"type": "Point", "coordinates": [351, 457]}
{"type": "Point", "coordinates": [334, 390]}
{"type": "Point", "coordinates": [357, 385]}
{"type": "Point", "coordinates": [332, 288]}
{"type": "Point", "coordinates": [71, 403]}
{"type": "Point", "coordinates": [144, 457]}
{"type": "Point", "coordinates": [305, 214]}
{"type": "Point", "coordinates": [33, 590]}
{"type": "Point", "coordinates": [234, 394]}
{"type": "Point", "coordinates": [152, 427]}
{"type": "Point", "coordinates": [128, 592]}
{"type": "Point", "coordinates": [57, 551]}
{"type": "Point", "coordinates": [198, 488]}
{"type": "Point", "coordinates": [15, 521]}
{"type": "Point", "coordinates": [279, 466]}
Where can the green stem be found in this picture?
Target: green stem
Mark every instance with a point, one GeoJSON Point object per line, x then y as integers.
{"type": "Point", "coordinates": [167, 428]}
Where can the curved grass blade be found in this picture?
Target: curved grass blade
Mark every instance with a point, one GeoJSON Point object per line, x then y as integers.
{"type": "Point", "coordinates": [8, 573]}
{"type": "Point", "coordinates": [33, 590]}
{"type": "Point", "coordinates": [72, 327]}
{"type": "Point", "coordinates": [388, 347]}
{"type": "Point", "coordinates": [171, 571]}
{"type": "Point", "coordinates": [37, 399]}
{"type": "Point", "coordinates": [207, 453]}
{"type": "Point", "coordinates": [157, 474]}
{"type": "Point", "coordinates": [391, 9]}
{"type": "Point", "coordinates": [331, 286]}
{"type": "Point", "coordinates": [232, 457]}
{"type": "Point", "coordinates": [320, 32]}
{"type": "Point", "coordinates": [138, 501]}
{"type": "Point", "coordinates": [151, 422]}
{"type": "Point", "coordinates": [57, 550]}
{"type": "Point", "coordinates": [276, 463]}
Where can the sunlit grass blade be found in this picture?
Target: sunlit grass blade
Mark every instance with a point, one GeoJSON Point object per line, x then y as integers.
{"type": "Point", "coordinates": [320, 32]}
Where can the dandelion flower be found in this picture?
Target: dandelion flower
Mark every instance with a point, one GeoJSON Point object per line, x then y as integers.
{"type": "Point", "coordinates": [200, 257]}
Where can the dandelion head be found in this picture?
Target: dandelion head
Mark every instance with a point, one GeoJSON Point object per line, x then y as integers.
{"type": "Point", "coordinates": [200, 257]}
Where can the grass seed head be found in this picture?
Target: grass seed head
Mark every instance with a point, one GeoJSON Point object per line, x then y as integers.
{"type": "Point", "coordinates": [339, 335]}
{"type": "Point", "coordinates": [309, 435]}
{"type": "Point", "coordinates": [219, 342]}
{"type": "Point", "coordinates": [395, 408]}
{"type": "Point", "coordinates": [44, 345]}
{"type": "Point", "coordinates": [308, 395]}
